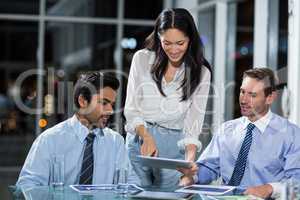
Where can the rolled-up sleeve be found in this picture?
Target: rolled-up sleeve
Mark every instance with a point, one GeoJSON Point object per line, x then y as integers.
{"type": "Point", "coordinates": [133, 98]}
{"type": "Point", "coordinates": [193, 121]}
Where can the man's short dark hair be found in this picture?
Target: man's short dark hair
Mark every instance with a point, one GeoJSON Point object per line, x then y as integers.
{"type": "Point", "coordinates": [265, 75]}
{"type": "Point", "coordinates": [90, 83]}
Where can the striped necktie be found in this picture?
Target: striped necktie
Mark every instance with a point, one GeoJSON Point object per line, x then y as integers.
{"type": "Point", "coordinates": [87, 167]}
{"type": "Point", "coordinates": [240, 163]}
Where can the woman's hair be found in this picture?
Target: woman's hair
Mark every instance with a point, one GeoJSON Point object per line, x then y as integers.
{"type": "Point", "coordinates": [182, 20]}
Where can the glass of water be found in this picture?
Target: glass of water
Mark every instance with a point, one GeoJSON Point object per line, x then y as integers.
{"type": "Point", "coordinates": [120, 181]}
{"type": "Point", "coordinates": [57, 175]}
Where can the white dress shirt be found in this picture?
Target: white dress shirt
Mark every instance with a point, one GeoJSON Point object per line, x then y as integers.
{"type": "Point", "coordinates": [144, 102]}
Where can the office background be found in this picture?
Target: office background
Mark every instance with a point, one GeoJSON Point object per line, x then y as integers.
{"type": "Point", "coordinates": [45, 44]}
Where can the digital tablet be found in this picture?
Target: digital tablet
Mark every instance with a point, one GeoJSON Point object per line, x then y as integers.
{"type": "Point", "coordinates": [87, 189]}
{"type": "Point", "coordinates": [207, 189]}
{"type": "Point", "coordinates": [162, 195]}
{"type": "Point", "coordinates": [165, 163]}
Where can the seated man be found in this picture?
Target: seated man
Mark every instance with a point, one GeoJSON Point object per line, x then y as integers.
{"type": "Point", "coordinates": [255, 151]}
{"type": "Point", "coordinates": [81, 139]}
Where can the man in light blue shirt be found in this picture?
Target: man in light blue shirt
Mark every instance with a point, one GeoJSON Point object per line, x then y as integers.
{"type": "Point", "coordinates": [272, 153]}
{"type": "Point", "coordinates": [94, 96]}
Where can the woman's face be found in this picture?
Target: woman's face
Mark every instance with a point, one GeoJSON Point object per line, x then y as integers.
{"type": "Point", "coordinates": [175, 43]}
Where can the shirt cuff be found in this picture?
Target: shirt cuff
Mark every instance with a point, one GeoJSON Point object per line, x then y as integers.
{"type": "Point", "coordinates": [130, 127]}
{"type": "Point", "coordinates": [186, 141]}
{"type": "Point", "coordinates": [277, 186]}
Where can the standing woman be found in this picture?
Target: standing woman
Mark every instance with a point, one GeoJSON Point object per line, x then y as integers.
{"type": "Point", "coordinates": [166, 99]}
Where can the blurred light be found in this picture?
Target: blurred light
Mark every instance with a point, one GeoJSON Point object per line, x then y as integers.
{"type": "Point", "coordinates": [204, 39]}
{"type": "Point", "coordinates": [244, 51]}
{"type": "Point", "coordinates": [128, 43]}
{"type": "Point", "coordinates": [31, 96]}
{"type": "Point", "coordinates": [60, 73]}
{"type": "Point", "coordinates": [49, 104]}
{"type": "Point", "coordinates": [14, 91]}
{"type": "Point", "coordinates": [43, 123]}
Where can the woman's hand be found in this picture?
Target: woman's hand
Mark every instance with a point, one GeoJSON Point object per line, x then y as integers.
{"type": "Point", "coordinates": [188, 174]}
{"type": "Point", "coordinates": [190, 152]}
{"type": "Point", "coordinates": [148, 147]}
{"type": "Point", "coordinates": [193, 170]}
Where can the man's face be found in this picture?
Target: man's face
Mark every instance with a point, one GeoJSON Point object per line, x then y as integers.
{"type": "Point", "coordinates": [253, 102]}
{"type": "Point", "coordinates": [101, 107]}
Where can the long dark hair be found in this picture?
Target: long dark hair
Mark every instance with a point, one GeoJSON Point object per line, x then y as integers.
{"type": "Point", "coordinates": [182, 20]}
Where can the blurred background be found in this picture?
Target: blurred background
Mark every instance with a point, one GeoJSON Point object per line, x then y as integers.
{"type": "Point", "coordinates": [46, 44]}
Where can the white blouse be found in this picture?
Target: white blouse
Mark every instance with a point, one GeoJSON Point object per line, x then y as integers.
{"type": "Point", "coordinates": [144, 102]}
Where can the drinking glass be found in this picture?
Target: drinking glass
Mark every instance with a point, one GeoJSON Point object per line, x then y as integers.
{"type": "Point", "coordinates": [120, 180]}
{"type": "Point", "coordinates": [57, 175]}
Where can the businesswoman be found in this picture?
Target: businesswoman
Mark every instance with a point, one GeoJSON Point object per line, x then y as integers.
{"type": "Point", "coordinates": [167, 92]}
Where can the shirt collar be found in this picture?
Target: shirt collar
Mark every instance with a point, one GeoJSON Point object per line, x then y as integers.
{"type": "Point", "coordinates": [178, 74]}
{"type": "Point", "coordinates": [261, 123]}
{"type": "Point", "coordinates": [82, 131]}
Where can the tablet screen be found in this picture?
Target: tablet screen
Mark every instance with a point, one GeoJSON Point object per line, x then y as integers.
{"type": "Point", "coordinates": [162, 195]}
{"type": "Point", "coordinates": [207, 189]}
{"type": "Point", "coordinates": [166, 163]}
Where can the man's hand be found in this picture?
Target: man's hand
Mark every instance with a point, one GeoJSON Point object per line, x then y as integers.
{"type": "Point", "coordinates": [186, 180]}
{"type": "Point", "coordinates": [262, 191]}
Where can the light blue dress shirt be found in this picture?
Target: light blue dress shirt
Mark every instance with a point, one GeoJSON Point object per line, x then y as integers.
{"type": "Point", "coordinates": [274, 153]}
{"type": "Point", "coordinates": [68, 138]}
